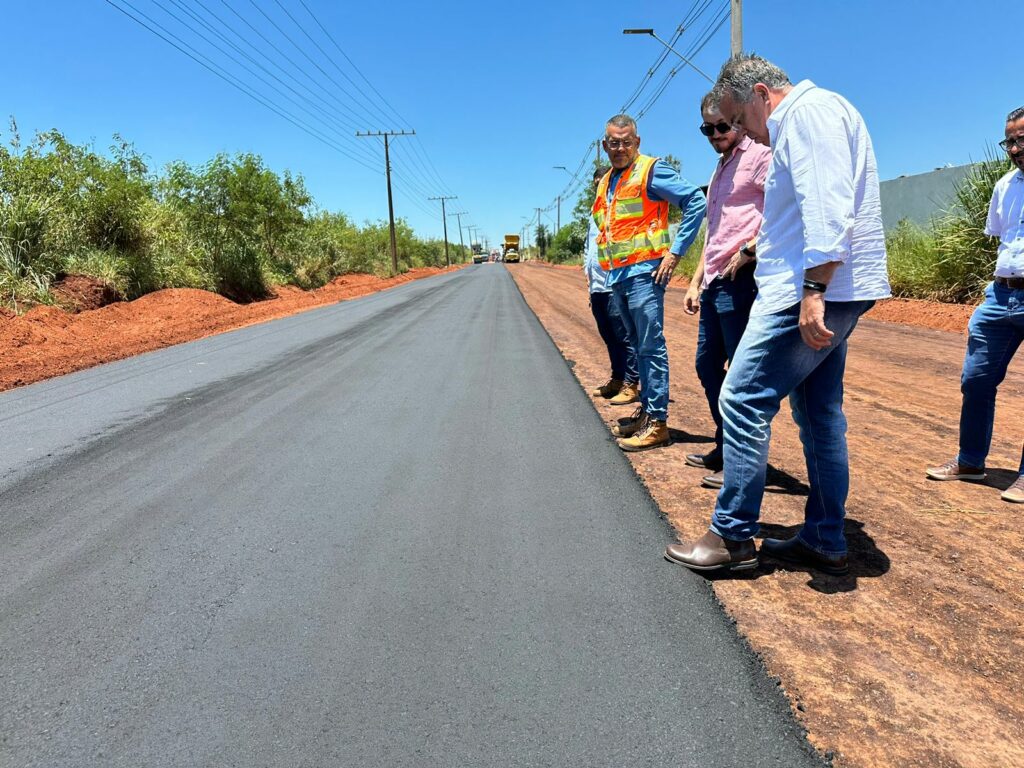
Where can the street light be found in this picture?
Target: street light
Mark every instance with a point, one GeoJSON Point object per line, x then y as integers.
{"type": "Point", "coordinates": [677, 53]}
{"type": "Point", "coordinates": [558, 225]}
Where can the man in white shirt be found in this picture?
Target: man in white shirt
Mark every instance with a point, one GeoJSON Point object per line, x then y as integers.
{"type": "Point", "coordinates": [996, 329]}
{"type": "Point", "coordinates": [821, 264]}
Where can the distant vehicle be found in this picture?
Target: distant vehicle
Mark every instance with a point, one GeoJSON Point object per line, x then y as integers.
{"type": "Point", "coordinates": [479, 257]}
{"type": "Point", "coordinates": [495, 256]}
{"type": "Point", "coordinates": [510, 249]}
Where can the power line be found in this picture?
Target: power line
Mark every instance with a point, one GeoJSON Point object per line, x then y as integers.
{"type": "Point", "coordinates": [210, 66]}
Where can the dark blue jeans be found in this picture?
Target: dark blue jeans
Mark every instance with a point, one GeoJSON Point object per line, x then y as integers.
{"type": "Point", "coordinates": [994, 334]}
{"type": "Point", "coordinates": [643, 304]}
{"type": "Point", "coordinates": [724, 311]}
{"type": "Point", "coordinates": [608, 314]}
{"type": "Point", "coordinates": [772, 362]}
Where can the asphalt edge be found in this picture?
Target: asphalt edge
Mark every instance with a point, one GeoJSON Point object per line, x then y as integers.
{"type": "Point", "coordinates": [773, 683]}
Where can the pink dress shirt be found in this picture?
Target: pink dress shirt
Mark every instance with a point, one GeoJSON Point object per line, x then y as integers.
{"type": "Point", "coordinates": [735, 204]}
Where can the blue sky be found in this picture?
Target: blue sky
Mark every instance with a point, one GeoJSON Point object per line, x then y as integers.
{"type": "Point", "coordinates": [498, 93]}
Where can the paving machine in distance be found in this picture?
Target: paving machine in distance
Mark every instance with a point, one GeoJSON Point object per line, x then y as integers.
{"type": "Point", "coordinates": [510, 249]}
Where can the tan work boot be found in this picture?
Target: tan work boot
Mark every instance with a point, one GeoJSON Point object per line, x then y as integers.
{"type": "Point", "coordinates": [610, 388]}
{"type": "Point", "coordinates": [630, 393]}
{"type": "Point", "coordinates": [653, 435]}
{"type": "Point", "coordinates": [632, 425]}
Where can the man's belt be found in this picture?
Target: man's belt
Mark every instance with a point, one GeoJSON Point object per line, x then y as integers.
{"type": "Point", "coordinates": [1016, 283]}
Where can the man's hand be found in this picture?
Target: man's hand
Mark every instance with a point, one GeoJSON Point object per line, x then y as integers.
{"type": "Point", "coordinates": [738, 261]}
{"type": "Point", "coordinates": [664, 272]}
{"type": "Point", "coordinates": [812, 321]}
{"type": "Point", "coordinates": [691, 302]}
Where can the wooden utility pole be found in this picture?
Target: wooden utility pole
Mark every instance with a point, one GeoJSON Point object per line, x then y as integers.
{"type": "Point", "coordinates": [736, 27]}
{"type": "Point", "coordinates": [458, 215]}
{"type": "Point", "coordinates": [387, 170]}
{"type": "Point", "coordinates": [444, 219]}
{"type": "Point", "coordinates": [539, 251]}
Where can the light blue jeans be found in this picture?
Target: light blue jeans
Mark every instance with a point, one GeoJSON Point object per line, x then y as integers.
{"type": "Point", "coordinates": [994, 334]}
{"type": "Point", "coordinates": [772, 362]}
{"type": "Point", "coordinates": [644, 317]}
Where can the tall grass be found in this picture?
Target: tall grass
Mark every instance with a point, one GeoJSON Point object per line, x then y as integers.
{"type": "Point", "coordinates": [231, 225]}
{"type": "Point", "coordinates": [951, 260]}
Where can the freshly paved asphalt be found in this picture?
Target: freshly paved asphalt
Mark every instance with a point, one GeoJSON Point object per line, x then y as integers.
{"type": "Point", "coordinates": [389, 532]}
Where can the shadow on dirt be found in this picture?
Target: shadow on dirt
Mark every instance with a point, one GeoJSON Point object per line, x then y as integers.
{"type": "Point", "coordinates": [867, 561]}
{"type": "Point", "coordinates": [682, 436]}
{"type": "Point", "coordinates": [1000, 479]}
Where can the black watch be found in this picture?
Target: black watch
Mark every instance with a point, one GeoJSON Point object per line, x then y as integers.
{"type": "Point", "coordinates": [745, 250]}
{"type": "Point", "coordinates": [814, 285]}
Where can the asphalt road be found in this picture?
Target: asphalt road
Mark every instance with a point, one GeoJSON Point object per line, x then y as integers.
{"type": "Point", "coordinates": [389, 532]}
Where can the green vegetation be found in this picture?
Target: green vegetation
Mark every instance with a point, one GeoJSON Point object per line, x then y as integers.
{"type": "Point", "coordinates": [230, 225]}
{"type": "Point", "coordinates": [952, 260]}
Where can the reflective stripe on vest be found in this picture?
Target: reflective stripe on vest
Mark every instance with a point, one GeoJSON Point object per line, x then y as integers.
{"type": "Point", "coordinates": [632, 228]}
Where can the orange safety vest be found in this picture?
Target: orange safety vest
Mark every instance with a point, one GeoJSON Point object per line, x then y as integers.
{"type": "Point", "coordinates": [633, 228]}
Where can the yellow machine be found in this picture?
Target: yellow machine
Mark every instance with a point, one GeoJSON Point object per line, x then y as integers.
{"type": "Point", "coordinates": [510, 249]}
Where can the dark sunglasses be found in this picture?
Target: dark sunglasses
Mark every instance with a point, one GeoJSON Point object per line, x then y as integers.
{"type": "Point", "coordinates": [709, 130]}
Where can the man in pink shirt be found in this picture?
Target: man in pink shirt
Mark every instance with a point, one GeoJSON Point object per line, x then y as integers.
{"type": "Point", "coordinates": [723, 286]}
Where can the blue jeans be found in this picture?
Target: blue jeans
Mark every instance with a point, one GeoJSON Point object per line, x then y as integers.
{"type": "Point", "coordinates": [644, 303]}
{"type": "Point", "coordinates": [995, 331]}
{"type": "Point", "coordinates": [608, 314]}
{"type": "Point", "coordinates": [771, 362]}
{"type": "Point", "coordinates": [724, 310]}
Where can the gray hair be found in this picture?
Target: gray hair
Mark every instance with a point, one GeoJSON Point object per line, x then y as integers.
{"type": "Point", "coordinates": [1016, 115]}
{"type": "Point", "coordinates": [622, 121]}
{"type": "Point", "coordinates": [743, 71]}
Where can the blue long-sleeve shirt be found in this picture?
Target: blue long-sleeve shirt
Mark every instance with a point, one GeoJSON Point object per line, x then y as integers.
{"type": "Point", "coordinates": [665, 184]}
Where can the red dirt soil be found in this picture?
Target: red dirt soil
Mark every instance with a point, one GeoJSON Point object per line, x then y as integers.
{"type": "Point", "coordinates": [914, 659]}
{"type": "Point", "coordinates": [50, 341]}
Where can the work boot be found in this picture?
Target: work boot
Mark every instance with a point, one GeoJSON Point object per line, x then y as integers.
{"type": "Point", "coordinates": [653, 435]}
{"type": "Point", "coordinates": [716, 480]}
{"type": "Point", "coordinates": [711, 460]}
{"type": "Point", "coordinates": [609, 389]}
{"type": "Point", "coordinates": [630, 393]}
{"type": "Point", "coordinates": [632, 425]}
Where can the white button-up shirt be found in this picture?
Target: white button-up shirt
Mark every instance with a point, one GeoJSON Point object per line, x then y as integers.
{"type": "Point", "coordinates": [821, 203]}
{"type": "Point", "coordinates": [1006, 221]}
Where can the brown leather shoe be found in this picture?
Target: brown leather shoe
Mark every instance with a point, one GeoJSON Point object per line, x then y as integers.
{"type": "Point", "coordinates": [717, 480]}
{"type": "Point", "coordinates": [632, 425]}
{"type": "Point", "coordinates": [630, 393]}
{"type": "Point", "coordinates": [952, 470]}
{"type": "Point", "coordinates": [610, 388]}
{"type": "Point", "coordinates": [1015, 493]}
{"type": "Point", "coordinates": [713, 553]}
{"type": "Point", "coordinates": [653, 435]}
{"type": "Point", "coordinates": [711, 461]}
{"type": "Point", "coordinates": [795, 551]}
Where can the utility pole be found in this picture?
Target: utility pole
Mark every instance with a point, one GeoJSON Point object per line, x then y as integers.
{"type": "Point", "coordinates": [558, 220]}
{"type": "Point", "coordinates": [387, 170]}
{"type": "Point", "coordinates": [444, 219]}
{"type": "Point", "coordinates": [458, 215]}
{"type": "Point", "coordinates": [736, 27]}
{"type": "Point", "coordinates": [538, 231]}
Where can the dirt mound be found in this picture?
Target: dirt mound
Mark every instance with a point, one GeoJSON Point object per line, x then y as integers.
{"type": "Point", "coordinates": [80, 293]}
{"type": "Point", "coordinates": [49, 341]}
